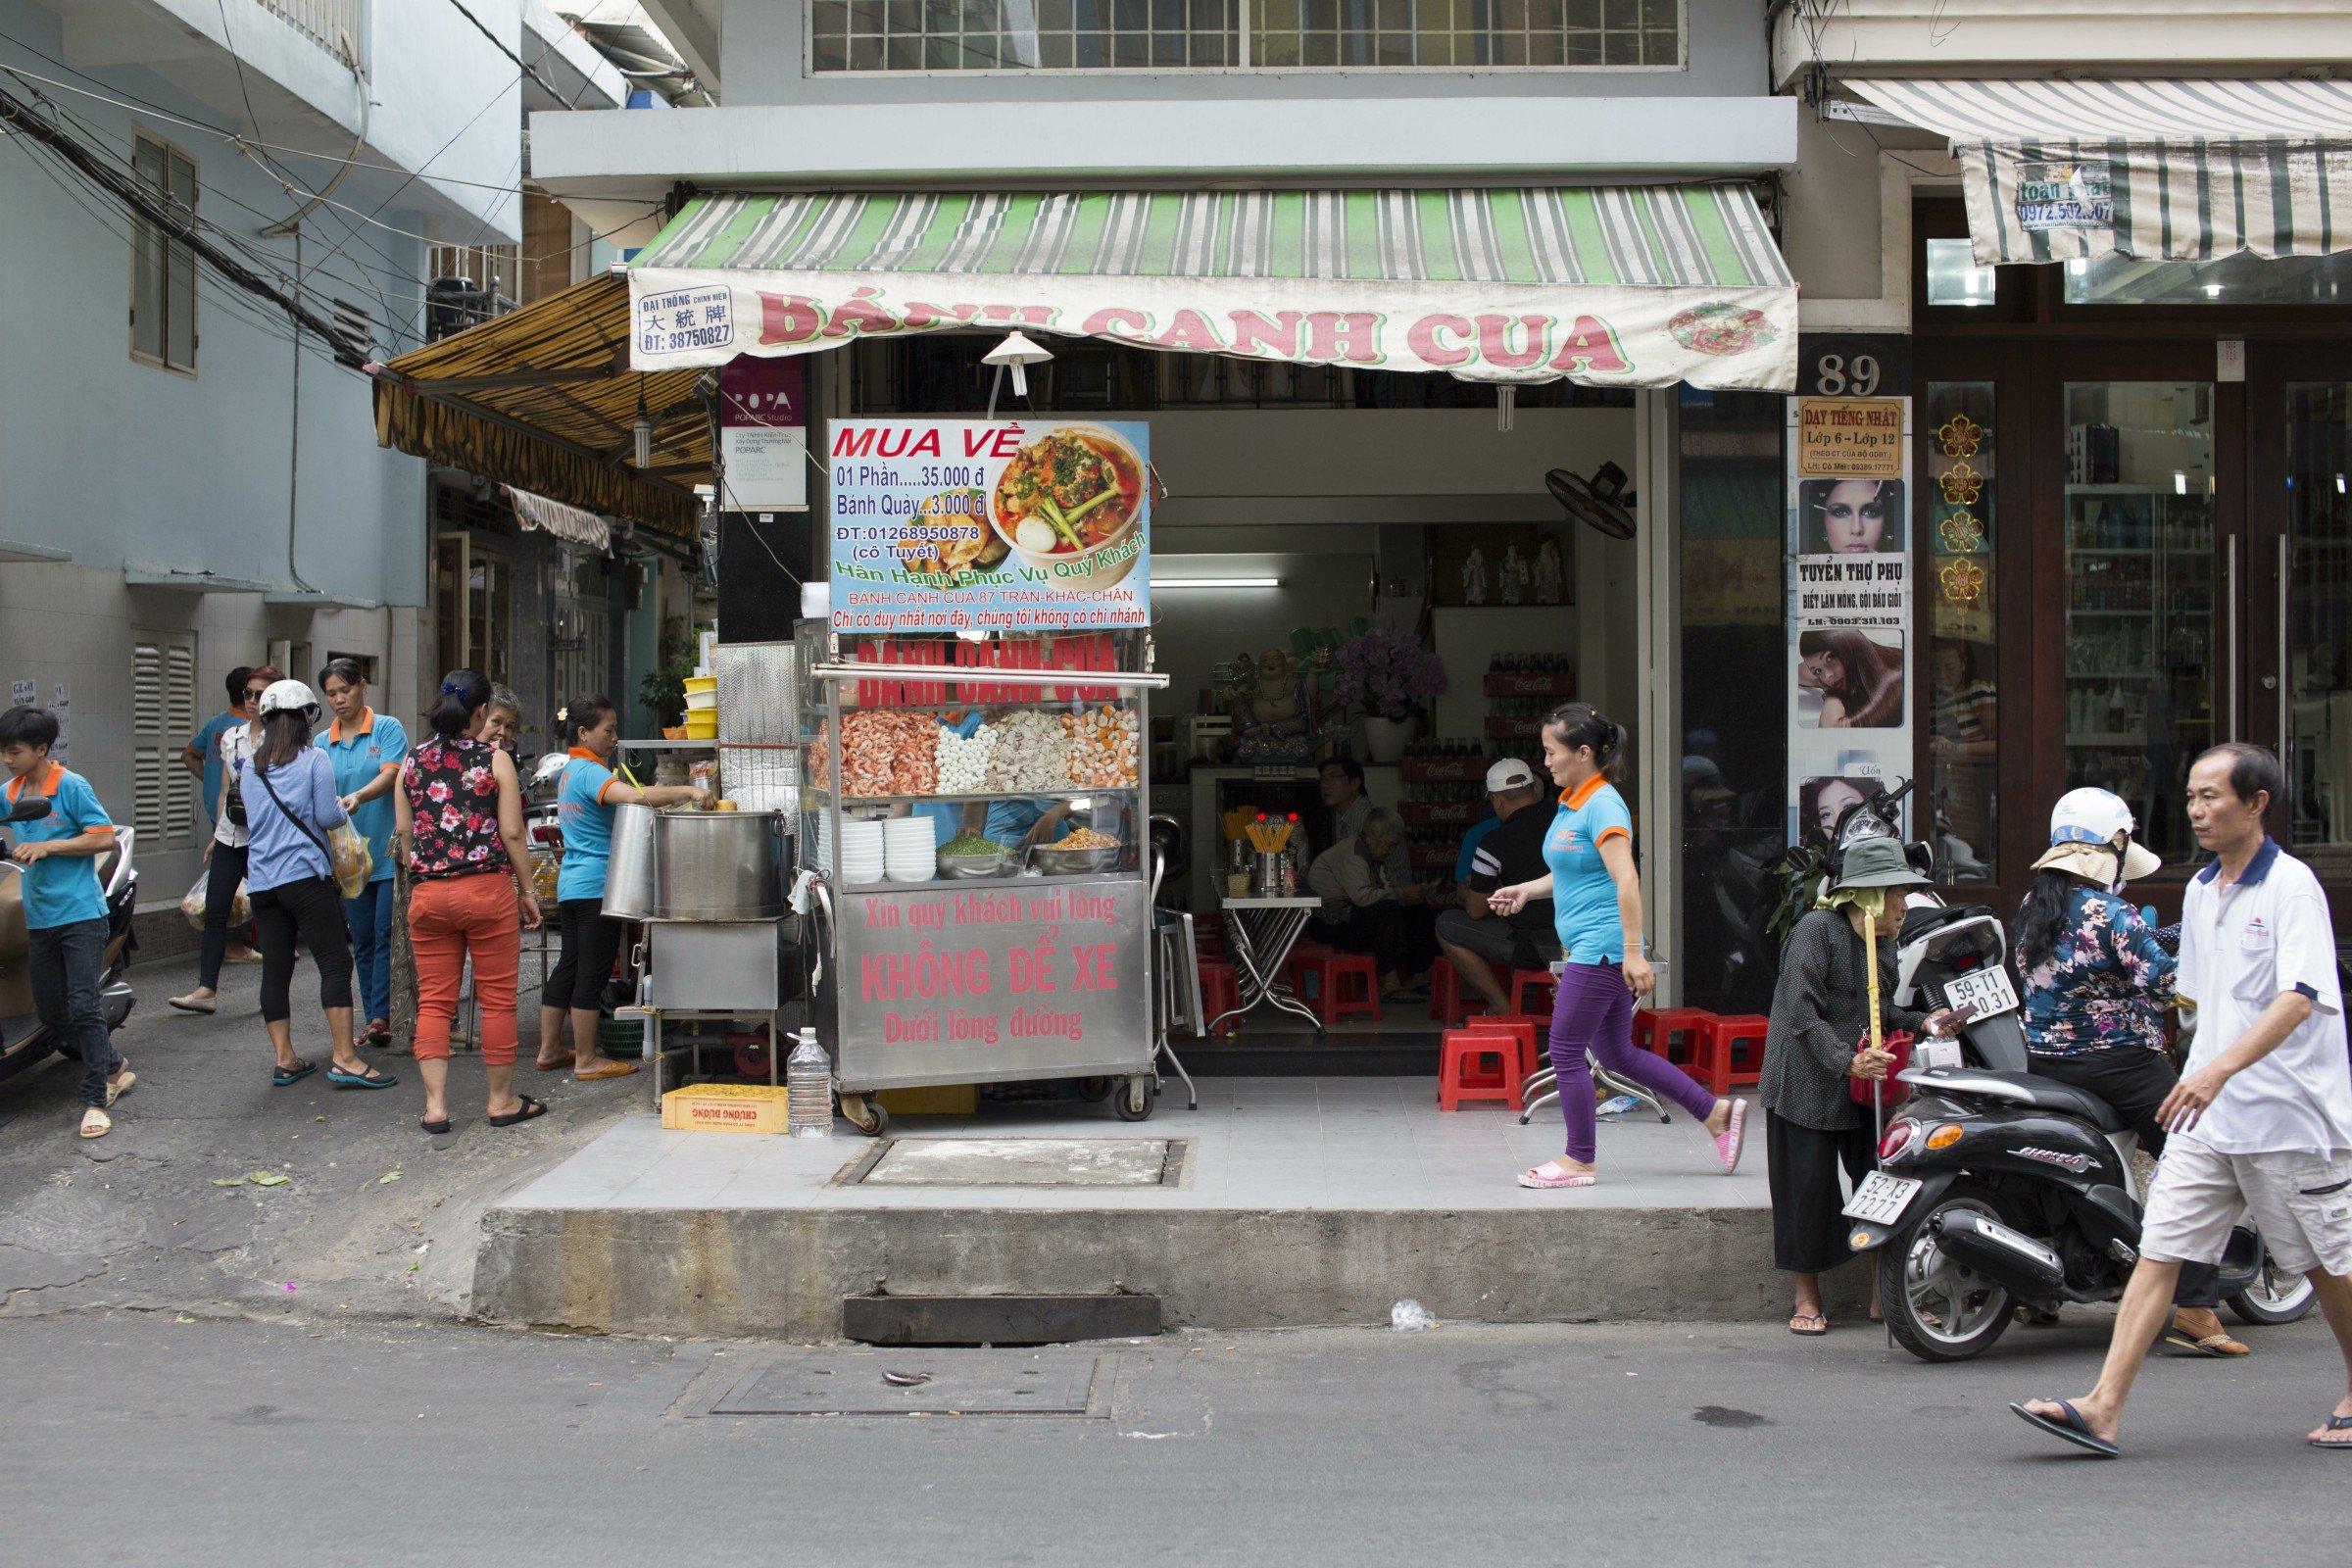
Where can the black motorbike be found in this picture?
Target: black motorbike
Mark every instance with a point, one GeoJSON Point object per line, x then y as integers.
{"type": "Point", "coordinates": [1999, 1189]}
{"type": "Point", "coordinates": [25, 1040]}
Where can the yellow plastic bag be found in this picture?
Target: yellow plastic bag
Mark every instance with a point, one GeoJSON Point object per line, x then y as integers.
{"type": "Point", "coordinates": [354, 865]}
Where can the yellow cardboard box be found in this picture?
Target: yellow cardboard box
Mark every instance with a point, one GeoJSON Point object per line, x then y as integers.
{"type": "Point", "coordinates": [726, 1108]}
{"type": "Point", "coordinates": [931, 1099]}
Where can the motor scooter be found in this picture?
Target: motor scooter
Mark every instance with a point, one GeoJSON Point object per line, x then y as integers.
{"type": "Point", "coordinates": [24, 1039]}
{"type": "Point", "coordinates": [1997, 1187]}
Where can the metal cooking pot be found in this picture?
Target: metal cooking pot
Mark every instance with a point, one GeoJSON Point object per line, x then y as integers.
{"type": "Point", "coordinates": [629, 870]}
{"type": "Point", "coordinates": [719, 866]}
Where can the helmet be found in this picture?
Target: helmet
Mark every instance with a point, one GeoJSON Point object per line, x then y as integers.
{"type": "Point", "coordinates": [290, 696]}
{"type": "Point", "coordinates": [2091, 833]}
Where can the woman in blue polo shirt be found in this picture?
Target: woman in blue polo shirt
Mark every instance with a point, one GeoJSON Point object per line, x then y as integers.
{"type": "Point", "coordinates": [1597, 903]}
{"type": "Point", "coordinates": [366, 749]}
{"type": "Point", "coordinates": [584, 802]}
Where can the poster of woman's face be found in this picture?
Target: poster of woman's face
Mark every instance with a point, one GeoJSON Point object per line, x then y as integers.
{"type": "Point", "coordinates": [1851, 516]}
{"type": "Point", "coordinates": [1821, 802]}
{"type": "Point", "coordinates": [1849, 679]}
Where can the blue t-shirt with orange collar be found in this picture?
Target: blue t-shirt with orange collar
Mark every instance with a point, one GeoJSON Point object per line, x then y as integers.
{"type": "Point", "coordinates": [63, 888]}
{"type": "Point", "coordinates": [1584, 895]}
{"type": "Point", "coordinates": [582, 811]}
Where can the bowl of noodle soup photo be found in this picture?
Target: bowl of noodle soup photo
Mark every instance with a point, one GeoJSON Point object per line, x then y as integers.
{"type": "Point", "coordinates": [1071, 504]}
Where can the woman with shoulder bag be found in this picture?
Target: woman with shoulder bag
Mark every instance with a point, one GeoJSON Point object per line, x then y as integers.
{"type": "Point", "coordinates": [290, 810]}
{"type": "Point", "coordinates": [224, 850]}
{"type": "Point", "coordinates": [459, 823]}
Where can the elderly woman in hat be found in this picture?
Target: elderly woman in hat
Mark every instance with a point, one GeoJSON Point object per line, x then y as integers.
{"type": "Point", "coordinates": [1820, 1037]}
{"type": "Point", "coordinates": [2097, 982]}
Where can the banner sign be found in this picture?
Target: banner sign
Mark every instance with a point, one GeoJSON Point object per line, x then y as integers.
{"type": "Point", "coordinates": [1850, 662]}
{"type": "Point", "coordinates": [1726, 337]}
{"type": "Point", "coordinates": [763, 434]}
{"type": "Point", "coordinates": [2065, 196]}
{"type": "Point", "coordinates": [974, 525]}
{"type": "Point", "coordinates": [937, 984]}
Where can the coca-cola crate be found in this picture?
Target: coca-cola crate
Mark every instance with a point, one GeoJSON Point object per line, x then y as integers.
{"type": "Point", "coordinates": [1515, 726]}
{"type": "Point", "coordinates": [1441, 813]}
{"type": "Point", "coordinates": [1552, 683]}
{"type": "Point", "coordinates": [1434, 858]}
{"type": "Point", "coordinates": [1441, 769]}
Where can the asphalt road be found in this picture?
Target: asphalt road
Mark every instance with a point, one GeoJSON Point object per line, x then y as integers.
{"type": "Point", "coordinates": [372, 1217]}
{"type": "Point", "coordinates": [146, 1438]}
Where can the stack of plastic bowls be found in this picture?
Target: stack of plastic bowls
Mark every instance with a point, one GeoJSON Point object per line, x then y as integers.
{"type": "Point", "coordinates": [913, 846]}
{"type": "Point", "coordinates": [862, 853]}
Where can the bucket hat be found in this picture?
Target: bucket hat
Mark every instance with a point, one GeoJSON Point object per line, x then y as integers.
{"type": "Point", "coordinates": [1876, 862]}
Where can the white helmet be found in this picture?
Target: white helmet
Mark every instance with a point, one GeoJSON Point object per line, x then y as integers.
{"type": "Point", "coordinates": [2091, 833]}
{"type": "Point", "coordinates": [290, 696]}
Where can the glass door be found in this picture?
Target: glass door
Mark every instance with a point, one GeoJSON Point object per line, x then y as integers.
{"type": "Point", "coordinates": [2141, 543]}
{"type": "Point", "coordinates": [2315, 637]}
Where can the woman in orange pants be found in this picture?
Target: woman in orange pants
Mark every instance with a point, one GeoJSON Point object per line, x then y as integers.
{"type": "Point", "coordinates": [460, 821]}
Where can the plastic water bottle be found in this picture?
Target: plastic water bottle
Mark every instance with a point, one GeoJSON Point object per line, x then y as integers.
{"type": "Point", "coordinates": [808, 1089]}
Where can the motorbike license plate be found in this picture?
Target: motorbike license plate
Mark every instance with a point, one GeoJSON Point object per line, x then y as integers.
{"type": "Point", "coordinates": [1881, 1198]}
{"type": "Point", "coordinates": [1985, 993]}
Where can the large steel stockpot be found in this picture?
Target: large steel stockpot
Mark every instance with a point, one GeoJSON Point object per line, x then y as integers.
{"type": "Point", "coordinates": [719, 866]}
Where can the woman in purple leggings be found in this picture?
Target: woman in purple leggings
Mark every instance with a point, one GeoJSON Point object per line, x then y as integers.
{"type": "Point", "coordinates": [1596, 905]}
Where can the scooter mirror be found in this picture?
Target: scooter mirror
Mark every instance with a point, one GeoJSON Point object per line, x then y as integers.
{"type": "Point", "coordinates": [31, 809]}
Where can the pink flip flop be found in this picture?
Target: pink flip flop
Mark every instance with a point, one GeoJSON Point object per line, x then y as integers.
{"type": "Point", "coordinates": [1552, 1174]}
{"type": "Point", "coordinates": [1727, 1145]}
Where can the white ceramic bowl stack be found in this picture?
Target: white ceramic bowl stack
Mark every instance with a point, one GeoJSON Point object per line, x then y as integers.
{"type": "Point", "coordinates": [862, 856]}
{"type": "Point", "coordinates": [913, 849]}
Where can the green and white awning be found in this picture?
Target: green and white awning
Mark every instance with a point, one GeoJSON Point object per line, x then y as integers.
{"type": "Point", "coordinates": [2163, 171]}
{"type": "Point", "coordinates": [1619, 286]}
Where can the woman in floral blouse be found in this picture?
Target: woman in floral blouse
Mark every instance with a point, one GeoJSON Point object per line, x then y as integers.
{"type": "Point", "coordinates": [2097, 983]}
{"type": "Point", "coordinates": [459, 820]}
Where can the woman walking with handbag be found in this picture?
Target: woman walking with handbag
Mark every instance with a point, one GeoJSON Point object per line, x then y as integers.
{"type": "Point", "coordinates": [224, 850]}
{"type": "Point", "coordinates": [290, 810]}
{"type": "Point", "coordinates": [460, 824]}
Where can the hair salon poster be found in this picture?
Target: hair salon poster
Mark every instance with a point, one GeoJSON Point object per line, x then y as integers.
{"type": "Point", "coordinates": [1850, 606]}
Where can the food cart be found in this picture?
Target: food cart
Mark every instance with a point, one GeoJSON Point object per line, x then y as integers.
{"type": "Point", "coordinates": [973, 778]}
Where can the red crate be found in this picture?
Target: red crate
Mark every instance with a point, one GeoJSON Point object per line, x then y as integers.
{"type": "Point", "coordinates": [1558, 683]}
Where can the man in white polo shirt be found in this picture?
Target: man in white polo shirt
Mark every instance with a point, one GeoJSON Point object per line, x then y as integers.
{"type": "Point", "coordinates": [2261, 1123]}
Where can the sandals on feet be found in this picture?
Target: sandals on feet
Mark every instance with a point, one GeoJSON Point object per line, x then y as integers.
{"type": "Point", "coordinates": [2071, 1426]}
{"type": "Point", "coordinates": [2336, 1423]}
{"type": "Point", "coordinates": [365, 1078]}
{"type": "Point", "coordinates": [1820, 1324]}
{"type": "Point", "coordinates": [1552, 1174]}
{"type": "Point", "coordinates": [436, 1128]}
{"type": "Point", "coordinates": [279, 1077]}
{"type": "Point", "coordinates": [604, 1069]}
{"type": "Point", "coordinates": [118, 1087]}
{"type": "Point", "coordinates": [96, 1123]}
{"type": "Point", "coordinates": [530, 1110]}
{"type": "Point", "coordinates": [1727, 1145]}
{"type": "Point", "coordinates": [556, 1065]}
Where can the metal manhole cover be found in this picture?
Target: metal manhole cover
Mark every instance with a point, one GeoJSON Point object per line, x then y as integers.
{"type": "Point", "coordinates": [1023, 1162]}
{"type": "Point", "coordinates": [921, 1383]}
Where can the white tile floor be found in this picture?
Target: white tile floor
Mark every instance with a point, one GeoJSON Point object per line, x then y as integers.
{"type": "Point", "coordinates": [1258, 1143]}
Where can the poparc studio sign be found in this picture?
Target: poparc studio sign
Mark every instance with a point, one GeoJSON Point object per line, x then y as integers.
{"type": "Point", "coordinates": [1709, 336]}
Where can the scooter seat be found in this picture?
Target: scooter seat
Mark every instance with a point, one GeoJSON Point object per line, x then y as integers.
{"type": "Point", "coordinates": [2048, 1094]}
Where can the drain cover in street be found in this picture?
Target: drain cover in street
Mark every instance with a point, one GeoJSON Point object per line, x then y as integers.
{"type": "Point", "coordinates": [918, 1383]}
{"type": "Point", "coordinates": [1024, 1162]}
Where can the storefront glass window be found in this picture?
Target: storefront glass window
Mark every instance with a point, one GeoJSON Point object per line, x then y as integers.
{"type": "Point", "coordinates": [893, 35]}
{"type": "Point", "coordinates": [1953, 275]}
{"type": "Point", "coordinates": [2318, 720]}
{"type": "Point", "coordinates": [1963, 701]}
{"type": "Point", "coordinates": [1735, 695]}
{"type": "Point", "coordinates": [2232, 280]}
{"type": "Point", "coordinates": [2140, 570]}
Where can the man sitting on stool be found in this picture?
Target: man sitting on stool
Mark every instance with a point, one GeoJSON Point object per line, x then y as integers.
{"type": "Point", "coordinates": [1476, 940]}
{"type": "Point", "coordinates": [1366, 909]}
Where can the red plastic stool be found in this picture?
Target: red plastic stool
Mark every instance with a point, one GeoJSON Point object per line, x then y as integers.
{"type": "Point", "coordinates": [1477, 1065]}
{"type": "Point", "coordinates": [1524, 1031]}
{"type": "Point", "coordinates": [1728, 1052]}
{"type": "Point", "coordinates": [1332, 973]}
{"type": "Point", "coordinates": [1220, 992]}
{"type": "Point", "coordinates": [1658, 1029]}
{"type": "Point", "coordinates": [1524, 981]}
{"type": "Point", "coordinates": [1448, 1003]}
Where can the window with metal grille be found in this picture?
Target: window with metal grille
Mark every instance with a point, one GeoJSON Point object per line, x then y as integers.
{"type": "Point", "coordinates": [927, 35]}
{"type": "Point", "coordinates": [162, 715]}
{"type": "Point", "coordinates": [163, 269]}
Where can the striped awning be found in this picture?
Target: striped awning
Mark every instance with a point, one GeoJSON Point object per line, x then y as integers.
{"type": "Point", "coordinates": [2163, 171]}
{"type": "Point", "coordinates": [1624, 286]}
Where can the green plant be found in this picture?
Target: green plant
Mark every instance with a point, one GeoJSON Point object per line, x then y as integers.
{"type": "Point", "coordinates": [663, 689]}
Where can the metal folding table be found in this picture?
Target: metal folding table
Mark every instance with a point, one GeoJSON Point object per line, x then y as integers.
{"type": "Point", "coordinates": [1262, 933]}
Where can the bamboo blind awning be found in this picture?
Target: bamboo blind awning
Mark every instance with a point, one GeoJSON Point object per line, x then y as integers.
{"type": "Point", "coordinates": [543, 399]}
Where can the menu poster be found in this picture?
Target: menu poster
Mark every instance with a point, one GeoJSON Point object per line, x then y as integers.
{"type": "Point", "coordinates": [989, 526]}
{"type": "Point", "coordinates": [1850, 654]}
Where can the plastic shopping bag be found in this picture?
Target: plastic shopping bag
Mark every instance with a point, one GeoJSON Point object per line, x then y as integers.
{"type": "Point", "coordinates": [191, 907]}
{"type": "Point", "coordinates": [354, 865]}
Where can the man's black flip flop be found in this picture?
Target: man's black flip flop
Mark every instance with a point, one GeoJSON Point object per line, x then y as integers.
{"type": "Point", "coordinates": [530, 1108]}
{"type": "Point", "coordinates": [436, 1128]}
{"type": "Point", "coordinates": [2074, 1429]}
